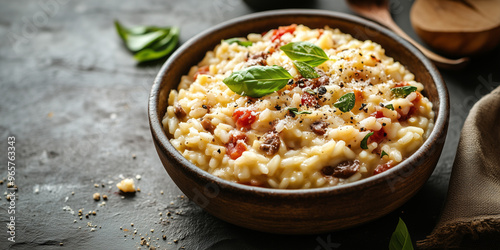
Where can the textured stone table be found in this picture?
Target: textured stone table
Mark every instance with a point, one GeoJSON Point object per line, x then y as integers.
{"type": "Point", "coordinates": [76, 103]}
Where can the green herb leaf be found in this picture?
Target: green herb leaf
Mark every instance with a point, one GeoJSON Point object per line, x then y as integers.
{"type": "Point", "coordinates": [383, 154]}
{"type": "Point", "coordinates": [305, 52]}
{"type": "Point", "coordinates": [239, 41]}
{"type": "Point", "coordinates": [258, 81]}
{"type": "Point", "coordinates": [365, 140]}
{"type": "Point", "coordinates": [148, 42]}
{"type": "Point", "coordinates": [159, 49]}
{"type": "Point", "coordinates": [306, 70]}
{"type": "Point", "coordinates": [390, 106]}
{"type": "Point", "coordinates": [403, 91]}
{"type": "Point", "coordinates": [346, 102]}
{"type": "Point", "coordinates": [297, 112]}
{"type": "Point", "coordinates": [400, 239]}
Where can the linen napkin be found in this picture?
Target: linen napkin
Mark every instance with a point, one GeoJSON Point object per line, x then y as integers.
{"type": "Point", "coordinates": [472, 208]}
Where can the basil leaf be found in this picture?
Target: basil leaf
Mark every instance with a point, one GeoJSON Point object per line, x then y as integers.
{"type": "Point", "coordinates": [306, 70]}
{"type": "Point", "coordinates": [400, 239]}
{"type": "Point", "coordinates": [389, 106]}
{"type": "Point", "coordinates": [346, 102]}
{"type": "Point", "coordinates": [238, 41]}
{"type": "Point", "coordinates": [297, 112]}
{"type": "Point", "coordinates": [365, 140]}
{"type": "Point", "coordinates": [138, 40]}
{"type": "Point", "coordinates": [383, 154]}
{"type": "Point", "coordinates": [403, 91]}
{"type": "Point", "coordinates": [258, 81]}
{"type": "Point", "coordinates": [305, 52]}
{"type": "Point", "coordinates": [148, 42]}
{"type": "Point", "coordinates": [159, 49]}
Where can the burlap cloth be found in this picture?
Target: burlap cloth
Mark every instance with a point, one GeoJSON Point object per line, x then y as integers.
{"type": "Point", "coordinates": [472, 207]}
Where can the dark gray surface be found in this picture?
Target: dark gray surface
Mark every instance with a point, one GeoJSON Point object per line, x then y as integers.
{"type": "Point", "coordinates": [76, 103]}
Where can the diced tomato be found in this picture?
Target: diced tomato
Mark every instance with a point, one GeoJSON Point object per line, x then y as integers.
{"type": "Point", "coordinates": [320, 31]}
{"type": "Point", "coordinates": [378, 114]}
{"type": "Point", "coordinates": [382, 168]}
{"type": "Point", "coordinates": [377, 136]}
{"type": "Point", "coordinates": [413, 109]}
{"type": "Point", "coordinates": [277, 34]}
{"type": "Point", "coordinates": [244, 118]}
{"type": "Point", "coordinates": [418, 98]}
{"type": "Point", "coordinates": [309, 100]}
{"type": "Point", "coordinates": [402, 84]}
{"type": "Point", "coordinates": [201, 71]}
{"type": "Point", "coordinates": [236, 145]}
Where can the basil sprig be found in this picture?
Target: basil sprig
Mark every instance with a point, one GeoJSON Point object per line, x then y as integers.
{"type": "Point", "coordinates": [305, 52]}
{"type": "Point", "coordinates": [258, 81]}
{"type": "Point", "coordinates": [148, 42]}
{"type": "Point", "coordinates": [305, 70]}
{"type": "Point", "coordinates": [239, 41]}
{"type": "Point", "coordinates": [400, 239]}
{"type": "Point", "coordinates": [403, 91]}
{"type": "Point", "coordinates": [365, 141]}
{"type": "Point", "coordinates": [346, 102]}
{"type": "Point", "coordinates": [383, 154]}
{"type": "Point", "coordinates": [390, 106]}
{"type": "Point", "coordinates": [297, 112]}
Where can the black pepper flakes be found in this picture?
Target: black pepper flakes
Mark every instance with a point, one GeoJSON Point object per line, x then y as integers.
{"type": "Point", "coordinates": [363, 105]}
{"type": "Point", "coordinates": [204, 106]}
{"type": "Point", "coordinates": [277, 107]}
{"type": "Point", "coordinates": [321, 90]}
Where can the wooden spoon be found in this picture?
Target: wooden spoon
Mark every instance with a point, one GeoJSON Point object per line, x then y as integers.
{"type": "Point", "coordinates": [458, 27]}
{"type": "Point", "coordinates": [378, 10]}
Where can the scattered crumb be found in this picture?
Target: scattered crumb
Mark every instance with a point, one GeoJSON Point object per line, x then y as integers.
{"type": "Point", "coordinates": [104, 197]}
{"type": "Point", "coordinates": [69, 209]}
{"type": "Point", "coordinates": [97, 196]}
{"type": "Point", "coordinates": [60, 244]}
{"type": "Point", "coordinates": [138, 177]}
{"type": "Point", "coordinates": [96, 185]}
{"type": "Point", "coordinates": [126, 185]}
{"type": "Point", "coordinates": [49, 115]}
{"type": "Point", "coordinates": [134, 156]}
{"type": "Point", "coordinates": [72, 193]}
{"type": "Point", "coordinates": [164, 237]}
{"type": "Point", "coordinates": [161, 192]}
{"type": "Point", "coordinates": [138, 190]}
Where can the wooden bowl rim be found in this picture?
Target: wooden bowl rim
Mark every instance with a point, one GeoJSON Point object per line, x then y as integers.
{"type": "Point", "coordinates": [440, 123]}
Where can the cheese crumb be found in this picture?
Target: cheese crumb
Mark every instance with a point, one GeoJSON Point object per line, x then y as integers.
{"type": "Point", "coordinates": [126, 185]}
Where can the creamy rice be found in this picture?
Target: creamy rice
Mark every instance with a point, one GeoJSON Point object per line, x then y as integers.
{"type": "Point", "coordinates": [259, 141]}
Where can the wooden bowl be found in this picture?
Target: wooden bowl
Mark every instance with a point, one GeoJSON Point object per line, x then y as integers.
{"type": "Point", "coordinates": [303, 211]}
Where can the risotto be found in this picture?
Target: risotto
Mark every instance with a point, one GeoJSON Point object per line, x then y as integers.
{"type": "Point", "coordinates": [297, 108]}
